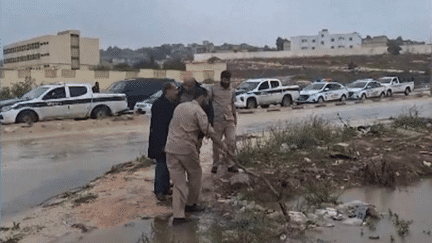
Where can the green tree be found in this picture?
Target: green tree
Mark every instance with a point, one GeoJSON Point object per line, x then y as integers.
{"type": "Point", "coordinates": [393, 46]}
{"type": "Point", "coordinates": [123, 67]}
{"type": "Point", "coordinates": [174, 64]}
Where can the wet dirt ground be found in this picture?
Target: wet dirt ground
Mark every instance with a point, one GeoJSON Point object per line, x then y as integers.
{"type": "Point", "coordinates": [120, 197]}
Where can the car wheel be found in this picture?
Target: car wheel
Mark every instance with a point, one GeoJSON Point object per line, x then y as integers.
{"type": "Point", "coordinates": [100, 112]}
{"type": "Point", "coordinates": [343, 98]}
{"type": "Point", "coordinates": [363, 97]}
{"type": "Point", "coordinates": [320, 100]}
{"type": "Point", "coordinates": [389, 93]}
{"type": "Point", "coordinates": [286, 101]}
{"type": "Point", "coordinates": [251, 103]}
{"type": "Point", "coordinates": [27, 117]}
{"type": "Point", "coordinates": [382, 95]}
{"type": "Point", "coordinates": [407, 91]}
{"type": "Point", "coordinates": [265, 106]}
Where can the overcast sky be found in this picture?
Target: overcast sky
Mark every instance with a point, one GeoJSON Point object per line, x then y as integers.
{"type": "Point", "coordinates": [148, 23]}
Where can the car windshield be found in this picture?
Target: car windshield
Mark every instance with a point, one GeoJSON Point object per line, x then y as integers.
{"type": "Point", "coordinates": [357, 85]}
{"type": "Point", "coordinates": [385, 80]}
{"type": "Point", "coordinates": [314, 87]}
{"type": "Point", "coordinates": [116, 87]}
{"type": "Point", "coordinates": [248, 86]}
{"type": "Point", "coordinates": [154, 97]}
{"type": "Point", "coordinates": [35, 93]}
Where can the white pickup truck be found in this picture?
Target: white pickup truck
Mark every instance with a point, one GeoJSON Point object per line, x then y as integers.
{"type": "Point", "coordinates": [71, 100]}
{"type": "Point", "coordinates": [393, 85]}
{"type": "Point", "coordinates": [264, 92]}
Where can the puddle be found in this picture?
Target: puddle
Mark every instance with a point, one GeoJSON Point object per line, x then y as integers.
{"type": "Point", "coordinates": [36, 169]}
{"type": "Point", "coordinates": [410, 203]}
{"type": "Point", "coordinates": [157, 231]}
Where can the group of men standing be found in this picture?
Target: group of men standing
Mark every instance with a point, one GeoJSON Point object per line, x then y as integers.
{"type": "Point", "coordinates": [181, 118]}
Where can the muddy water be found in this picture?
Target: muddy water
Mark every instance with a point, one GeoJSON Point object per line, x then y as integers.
{"type": "Point", "coordinates": [35, 170]}
{"type": "Point", "coordinates": [410, 203]}
{"type": "Point", "coordinates": [158, 231]}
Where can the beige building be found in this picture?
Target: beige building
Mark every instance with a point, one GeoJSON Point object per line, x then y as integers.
{"type": "Point", "coordinates": [66, 50]}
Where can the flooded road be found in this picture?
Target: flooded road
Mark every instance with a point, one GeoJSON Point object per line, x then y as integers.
{"type": "Point", "coordinates": [37, 169]}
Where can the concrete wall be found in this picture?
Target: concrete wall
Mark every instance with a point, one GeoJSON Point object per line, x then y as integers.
{"type": "Point", "coordinates": [200, 71]}
{"type": "Point", "coordinates": [419, 49]}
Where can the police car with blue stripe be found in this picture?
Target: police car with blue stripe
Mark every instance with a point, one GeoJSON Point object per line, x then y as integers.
{"type": "Point", "coordinates": [72, 100]}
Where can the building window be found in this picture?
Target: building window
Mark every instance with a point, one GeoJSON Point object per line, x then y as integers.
{"type": "Point", "coordinates": [332, 39]}
{"type": "Point", "coordinates": [322, 36]}
{"type": "Point", "coordinates": [304, 48]}
{"type": "Point", "coordinates": [332, 47]}
{"type": "Point", "coordinates": [341, 46]}
{"type": "Point", "coordinates": [322, 42]}
{"type": "Point", "coordinates": [313, 40]}
{"type": "Point", "coordinates": [341, 38]}
{"type": "Point", "coordinates": [304, 40]}
{"type": "Point", "coordinates": [350, 38]}
{"type": "Point", "coordinates": [313, 48]}
{"type": "Point", "coordinates": [351, 46]}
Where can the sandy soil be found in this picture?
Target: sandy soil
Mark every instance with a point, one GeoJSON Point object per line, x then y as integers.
{"type": "Point", "coordinates": [110, 200]}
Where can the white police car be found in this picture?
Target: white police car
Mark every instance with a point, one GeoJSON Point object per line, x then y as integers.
{"type": "Point", "coordinates": [144, 107]}
{"type": "Point", "coordinates": [71, 100]}
{"type": "Point", "coordinates": [319, 92]}
{"type": "Point", "coordinates": [366, 88]}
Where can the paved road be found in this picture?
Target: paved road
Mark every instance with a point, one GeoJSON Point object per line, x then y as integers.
{"type": "Point", "coordinates": [34, 170]}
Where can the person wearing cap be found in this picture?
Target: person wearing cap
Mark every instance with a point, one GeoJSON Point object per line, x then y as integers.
{"type": "Point", "coordinates": [182, 151]}
{"type": "Point", "coordinates": [225, 120]}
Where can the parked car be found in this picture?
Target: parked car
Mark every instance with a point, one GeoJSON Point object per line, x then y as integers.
{"type": "Point", "coordinates": [137, 89]}
{"type": "Point", "coordinates": [144, 107]}
{"type": "Point", "coordinates": [264, 92]}
{"type": "Point", "coordinates": [72, 100]}
{"type": "Point", "coordinates": [393, 85]}
{"type": "Point", "coordinates": [366, 88]}
{"type": "Point", "coordinates": [319, 92]}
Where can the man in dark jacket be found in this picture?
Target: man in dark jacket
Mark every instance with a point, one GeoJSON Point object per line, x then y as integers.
{"type": "Point", "coordinates": [162, 111]}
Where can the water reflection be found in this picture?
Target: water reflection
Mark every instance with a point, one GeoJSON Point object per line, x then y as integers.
{"type": "Point", "coordinates": [410, 203]}
{"type": "Point", "coordinates": [36, 169]}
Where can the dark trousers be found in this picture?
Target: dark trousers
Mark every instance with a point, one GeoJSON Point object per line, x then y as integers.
{"type": "Point", "coordinates": [162, 177]}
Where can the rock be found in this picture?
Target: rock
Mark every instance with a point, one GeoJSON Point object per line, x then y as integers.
{"type": "Point", "coordinates": [259, 208]}
{"type": "Point", "coordinates": [240, 180]}
{"type": "Point", "coordinates": [332, 212]}
{"type": "Point", "coordinates": [338, 217]}
{"type": "Point", "coordinates": [341, 148]}
{"type": "Point", "coordinates": [275, 216]}
{"type": "Point", "coordinates": [143, 216]}
{"type": "Point", "coordinates": [242, 210]}
{"type": "Point", "coordinates": [297, 217]}
{"type": "Point", "coordinates": [284, 147]}
{"type": "Point", "coordinates": [251, 206]}
{"type": "Point", "coordinates": [353, 222]}
{"type": "Point", "coordinates": [307, 160]}
{"type": "Point", "coordinates": [428, 164]}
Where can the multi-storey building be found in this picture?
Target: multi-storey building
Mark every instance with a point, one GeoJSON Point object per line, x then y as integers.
{"type": "Point", "coordinates": [326, 41]}
{"type": "Point", "coordinates": [66, 50]}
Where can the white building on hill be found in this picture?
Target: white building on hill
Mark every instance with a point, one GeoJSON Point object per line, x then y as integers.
{"type": "Point", "coordinates": [326, 41]}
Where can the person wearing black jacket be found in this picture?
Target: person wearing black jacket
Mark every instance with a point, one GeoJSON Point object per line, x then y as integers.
{"type": "Point", "coordinates": [162, 111]}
